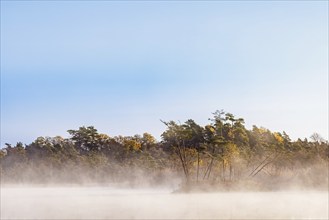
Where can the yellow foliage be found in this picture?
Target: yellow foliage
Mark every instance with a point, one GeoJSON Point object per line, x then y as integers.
{"type": "Point", "coordinates": [278, 137]}
{"type": "Point", "coordinates": [263, 130]}
{"type": "Point", "coordinates": [104, 136]}
{"type": "Point", "coordinates": [132, 145]}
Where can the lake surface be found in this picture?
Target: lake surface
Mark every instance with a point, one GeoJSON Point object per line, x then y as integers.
{"type": "Point", "coordinates": [111, 203]}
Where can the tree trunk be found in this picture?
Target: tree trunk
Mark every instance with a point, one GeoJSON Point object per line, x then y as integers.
{"type": "Point", "coordinates": [211, 164]}
{"type": "Point", "coordinates": [183, 163]}
{"type": "Point", "coordinates": [197, 173]}
{"type": "Point", "coordinates": [223, 171]}
{"type": "Point", "coordinates": [264, 165]}
{"type": "Point", "coordinates": [230, 171]}
{"type": "Point", "coordinates": [205, 174]}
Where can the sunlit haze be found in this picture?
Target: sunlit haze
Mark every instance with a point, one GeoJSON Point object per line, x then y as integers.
{"type": "Point", "coordinates": [123, 66]}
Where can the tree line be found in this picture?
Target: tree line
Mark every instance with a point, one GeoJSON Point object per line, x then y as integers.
{"type": "Point", "coordinates": [221, 154]}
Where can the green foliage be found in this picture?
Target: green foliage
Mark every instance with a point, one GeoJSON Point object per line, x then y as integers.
{"type": "Point", "coordinates": [222, 151]}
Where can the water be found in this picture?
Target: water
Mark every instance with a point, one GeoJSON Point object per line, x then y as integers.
{"type": "Point", "coordinates": [111, 203]}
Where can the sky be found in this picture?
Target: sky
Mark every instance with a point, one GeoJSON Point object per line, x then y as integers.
{"type": "Point", "coordinates": [123, 66]}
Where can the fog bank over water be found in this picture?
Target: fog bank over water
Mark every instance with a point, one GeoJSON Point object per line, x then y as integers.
{"type": "Point", "coordinates": [120, 203]}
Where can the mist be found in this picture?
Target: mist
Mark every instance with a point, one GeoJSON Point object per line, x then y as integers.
{"type": "Point", "coordinates": [119, 203]}
{"type": "Point", "coordinates": [141, 195]}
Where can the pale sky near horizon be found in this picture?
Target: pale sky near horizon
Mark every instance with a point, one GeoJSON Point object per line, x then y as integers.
{"type": "Point", "coordinates": [123, 66]}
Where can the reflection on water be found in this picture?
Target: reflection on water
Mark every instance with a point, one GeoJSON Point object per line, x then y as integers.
{"type": "Point", "coordinates": [110, 203]}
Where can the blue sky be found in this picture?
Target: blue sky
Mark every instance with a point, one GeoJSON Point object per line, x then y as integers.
{"type": "Point", "coordinates": [123, 66]}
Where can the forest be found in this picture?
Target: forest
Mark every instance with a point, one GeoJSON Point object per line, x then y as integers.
{"type": "Point", "coordinates": [222, 155]}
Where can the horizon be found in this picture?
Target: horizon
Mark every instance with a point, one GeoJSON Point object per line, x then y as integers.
{"type": "Point", "coordinates": [123, 66]}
